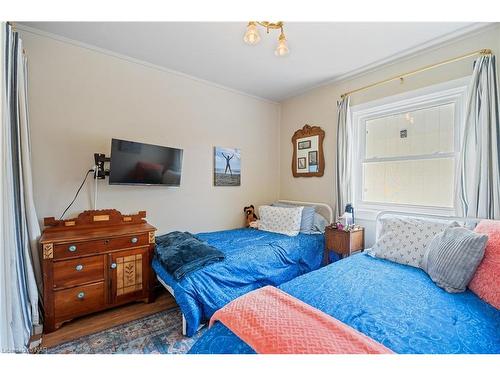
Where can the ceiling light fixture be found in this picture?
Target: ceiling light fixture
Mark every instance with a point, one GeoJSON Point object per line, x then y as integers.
{"type": "Point", "coordinates": [252, 36]}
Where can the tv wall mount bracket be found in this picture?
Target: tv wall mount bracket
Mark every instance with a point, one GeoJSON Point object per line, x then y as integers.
{"type": "Point", "coordinates": [99, 160]}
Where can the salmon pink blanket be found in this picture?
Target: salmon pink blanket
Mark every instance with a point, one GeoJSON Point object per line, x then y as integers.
{"type": "Point", "coordinates": [273, 322]}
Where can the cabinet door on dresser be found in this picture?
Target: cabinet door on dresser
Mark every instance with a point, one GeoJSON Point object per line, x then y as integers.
{"type": "Point", "coordinates": [129, 278]}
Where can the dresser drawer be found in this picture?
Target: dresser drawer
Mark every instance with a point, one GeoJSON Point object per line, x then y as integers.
{"type": "Point", "coordinates": [128, 241]}
{"type": "Point", "coordinates": [77, 249]}
{"type": "Point", "coordinates": [69, 303]}
{"type": "Point", "coordinates": [78, 271]}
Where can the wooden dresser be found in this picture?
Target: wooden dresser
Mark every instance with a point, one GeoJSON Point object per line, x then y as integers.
{"type": "Point", "coordinates": [98, 260]}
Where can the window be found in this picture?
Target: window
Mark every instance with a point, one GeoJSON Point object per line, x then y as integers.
{"type": "Point", "coordinates": [408, 150]}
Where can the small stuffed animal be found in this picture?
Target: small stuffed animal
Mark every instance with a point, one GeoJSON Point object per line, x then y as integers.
{"type": "Point", "coordinates": [250, 214]}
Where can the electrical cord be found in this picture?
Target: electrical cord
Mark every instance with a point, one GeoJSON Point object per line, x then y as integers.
{"type": "Point", "coordinates": [77, 192]}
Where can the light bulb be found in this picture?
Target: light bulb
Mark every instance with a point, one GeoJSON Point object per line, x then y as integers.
{"type": "Point", "coordinates": [252, 35]}
{"type": "Point", "coordinates": [282, 48]}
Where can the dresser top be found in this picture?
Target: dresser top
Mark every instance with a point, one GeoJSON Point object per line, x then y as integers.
{"type": "Point", "coordinates": [94, 224]}
{"type": "Point", "coordinates": [56, 235]}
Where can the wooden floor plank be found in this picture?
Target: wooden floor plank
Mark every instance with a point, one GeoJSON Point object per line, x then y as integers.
{"type": "Point", "coordinates": [106, 319]}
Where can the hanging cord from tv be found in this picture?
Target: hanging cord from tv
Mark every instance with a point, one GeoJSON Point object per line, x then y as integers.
{"type": "Point", "coordinates": [78, 191]}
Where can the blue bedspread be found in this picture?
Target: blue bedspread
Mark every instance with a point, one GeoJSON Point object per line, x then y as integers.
{"type": "Point", "coordinates": [253, 259]}
{"type": "Point", "coordinates": [394, 304]}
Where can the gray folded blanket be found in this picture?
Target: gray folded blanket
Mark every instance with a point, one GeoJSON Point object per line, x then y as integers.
{"type": "Point", "coordinates": [181, 253]}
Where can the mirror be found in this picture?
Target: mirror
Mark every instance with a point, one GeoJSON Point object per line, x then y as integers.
{"type": "Point", "coordinates": [308, 159]}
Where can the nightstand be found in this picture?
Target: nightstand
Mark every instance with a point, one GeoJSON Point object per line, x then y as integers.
{"type": "Point", "coordinates": [342, 242]}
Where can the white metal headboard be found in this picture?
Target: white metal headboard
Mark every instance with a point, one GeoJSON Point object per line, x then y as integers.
{"type": "Point", "coordinates": [469, 222]}
{"type": "Point", "coordinates": [321, 208]}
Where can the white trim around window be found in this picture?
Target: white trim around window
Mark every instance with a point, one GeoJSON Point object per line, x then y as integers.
{"type": "Point", "coordinates": [436, 95]}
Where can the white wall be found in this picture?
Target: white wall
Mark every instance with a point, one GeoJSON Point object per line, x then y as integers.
{"type": "Point", "coordinates": [79, 99]}
{"type": "Point", "coordinates": [318, 107]}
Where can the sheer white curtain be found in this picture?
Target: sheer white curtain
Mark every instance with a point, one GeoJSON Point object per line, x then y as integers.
{"type": "Point", "coordinates": [478, 180]}
{"type": "Point", "coordinates": [343, 170]}
{"type": "Point", "coordinates": [19, 229]}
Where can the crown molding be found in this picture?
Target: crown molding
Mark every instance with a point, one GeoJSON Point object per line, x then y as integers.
{"type": "Point", "coordinates": [120, 56]}
{"type": "Point", "coordinates": [408, 54]}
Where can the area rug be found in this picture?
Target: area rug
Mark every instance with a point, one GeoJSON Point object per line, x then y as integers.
{"type": "Point", "coordinates": [160, 333]}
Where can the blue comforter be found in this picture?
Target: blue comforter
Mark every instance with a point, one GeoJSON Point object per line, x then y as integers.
{"type": "Point", "coordinates": [394, 304]}
{"type": "Point", "coordinates": [253, 259]}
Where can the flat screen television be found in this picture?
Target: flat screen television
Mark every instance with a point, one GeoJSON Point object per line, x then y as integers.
{"type": "Point", "coordinates": [134, 163]}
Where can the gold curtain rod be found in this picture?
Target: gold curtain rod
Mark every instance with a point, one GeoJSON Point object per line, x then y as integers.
{"type": "Point", "coordinates": [428, 67]}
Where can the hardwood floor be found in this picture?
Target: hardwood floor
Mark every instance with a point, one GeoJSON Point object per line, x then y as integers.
{"type": "Point", "coordinates": [103, 320]}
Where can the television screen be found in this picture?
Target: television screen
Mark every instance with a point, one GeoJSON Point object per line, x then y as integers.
{"type": "Point", "coordinates": [134, 163]}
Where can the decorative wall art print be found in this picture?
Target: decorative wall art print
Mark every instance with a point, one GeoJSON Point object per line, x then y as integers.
{"type": "Point", "coordinates": [302, 163]}
{"type": "Point", "coordinates": [313, 161]}
{"type": "Point", "coordinates": [313, 157]}
{"type": "Point", "coordinates": [304, 145]}
{"type": "Point", "coordinates": [227, 166]}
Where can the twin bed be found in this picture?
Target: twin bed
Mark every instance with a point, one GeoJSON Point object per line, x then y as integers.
{"type": "Point", "coordinates": [253, 259]}
{"type": "Point", "coordinates": [396, 305]}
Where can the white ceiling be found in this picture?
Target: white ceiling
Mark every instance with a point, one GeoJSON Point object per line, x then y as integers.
{"type": "Point", "coordinates": [215, 51]}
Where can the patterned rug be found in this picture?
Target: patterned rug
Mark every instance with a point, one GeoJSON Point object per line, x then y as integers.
{"type": "Point", "coordinates": [160, 333]}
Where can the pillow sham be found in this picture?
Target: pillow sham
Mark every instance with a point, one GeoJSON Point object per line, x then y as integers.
{"type": "Point", "coordinates": [404, 239]}
{"type": "Point", "coordinates": [486, 281]}
{"type": "Point", "coordinates": [284, 220]}
{"type": "Point", "coordinates": [307, 220]}
{"type": "Point", "coordinates": [453, 256]}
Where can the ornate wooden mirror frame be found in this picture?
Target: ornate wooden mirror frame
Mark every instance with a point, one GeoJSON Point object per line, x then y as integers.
{"type": "Point", "coordinates": [308, 158]}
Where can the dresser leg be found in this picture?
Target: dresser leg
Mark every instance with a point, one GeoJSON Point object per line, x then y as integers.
{"type": "Point", "coordinates": [151, 296]}
{"type": "Point", "coordinates": [149, 299]}
{"type": "Point", "coordinates": [49, 326]}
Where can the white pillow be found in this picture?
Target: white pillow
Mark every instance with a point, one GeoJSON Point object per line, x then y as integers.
{"type": "Point", "coordinates": [404, 239]}
{"type": "Point", "coordinates": [284, 220]}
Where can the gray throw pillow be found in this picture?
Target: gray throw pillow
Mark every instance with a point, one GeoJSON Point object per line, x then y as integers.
{"type": "Point", "coordinates": [306, 224]}
{"type": "Point", "coordinates": [452, 257]}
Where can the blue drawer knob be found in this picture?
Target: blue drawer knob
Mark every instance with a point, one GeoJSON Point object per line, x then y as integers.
{"type": "Point", "coordinates": [72, 248]}
{"type": "Point", "coordinates": [80, 295]}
